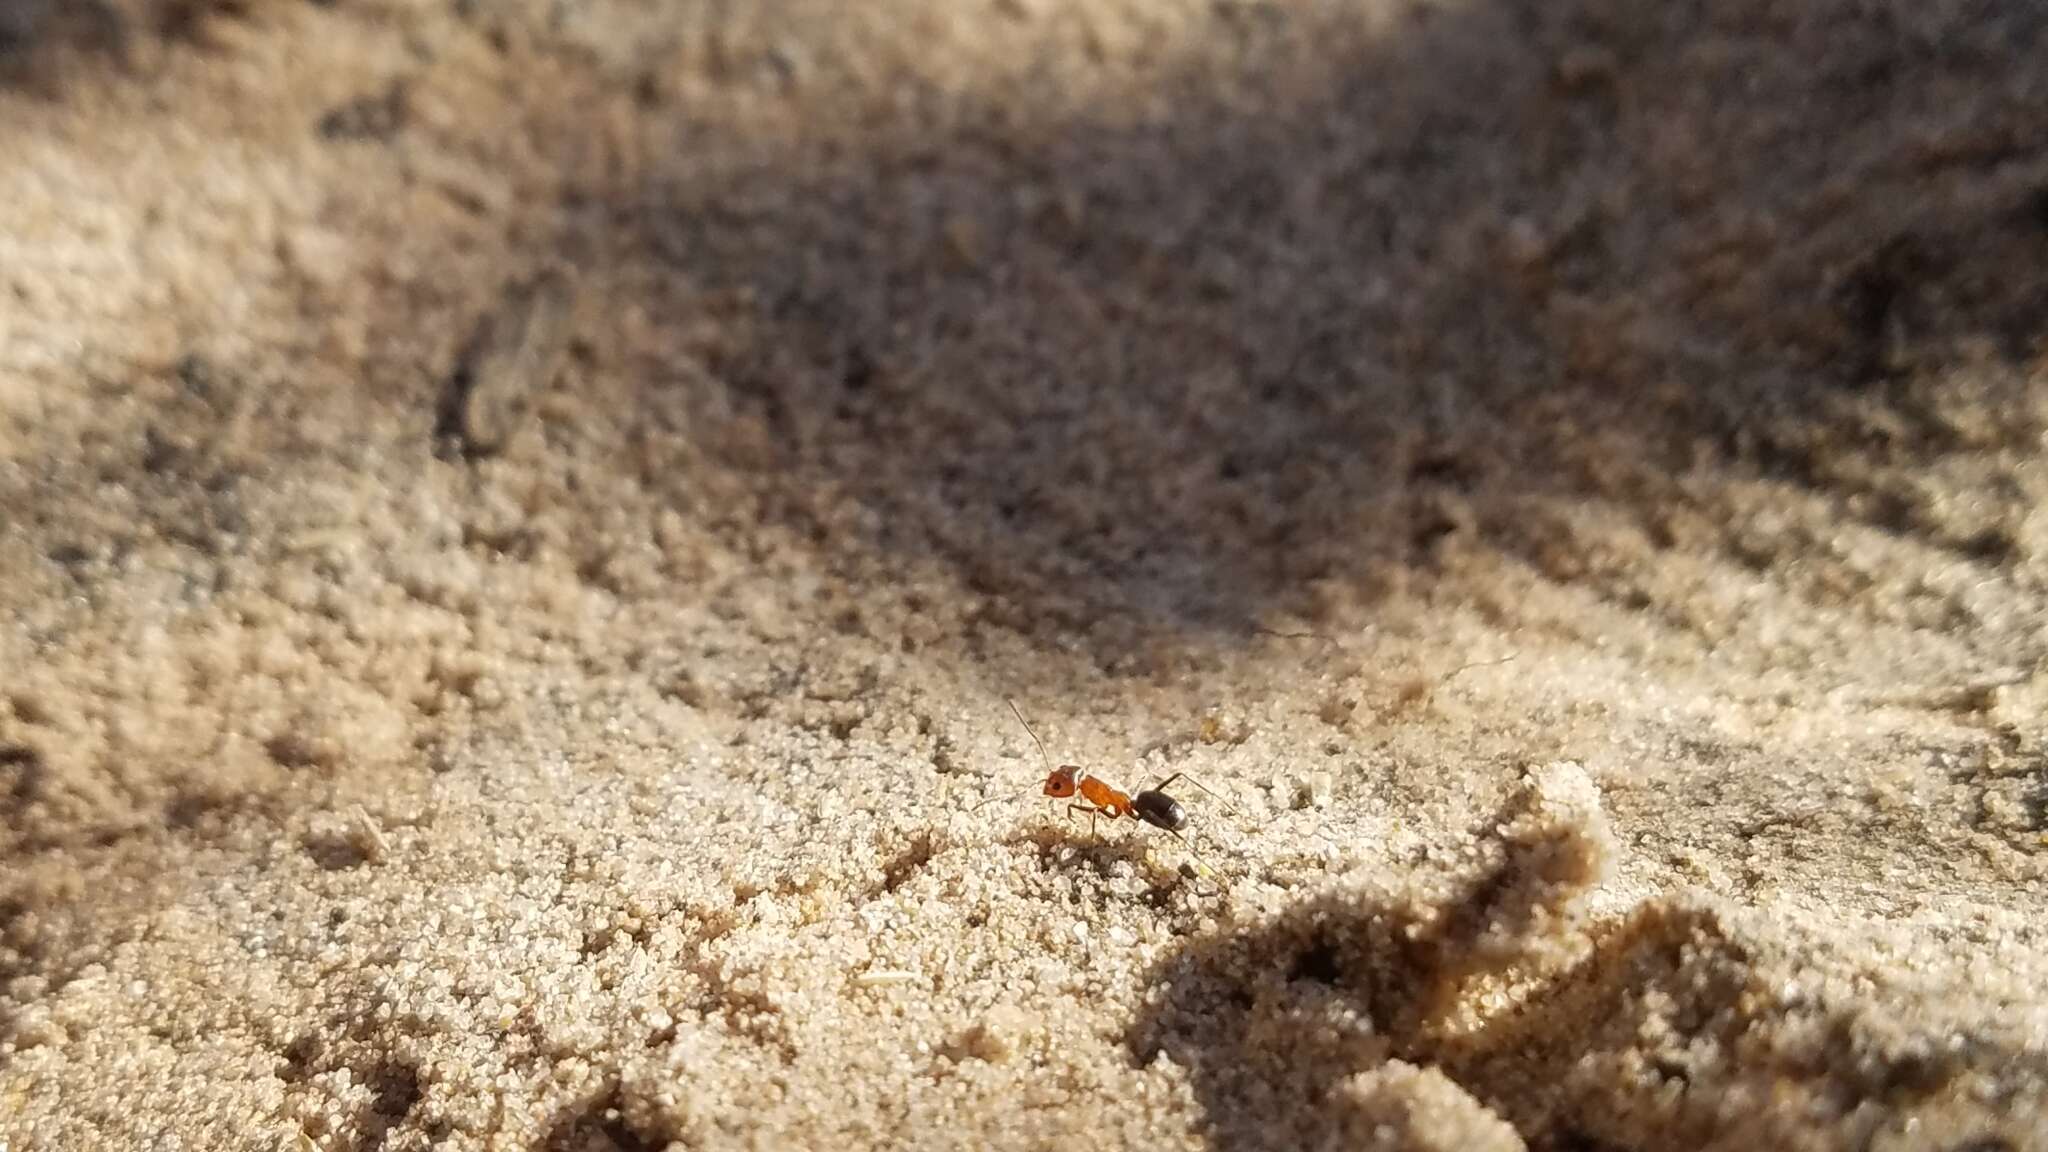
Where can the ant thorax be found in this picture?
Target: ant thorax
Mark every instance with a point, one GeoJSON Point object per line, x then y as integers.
{"type": "Point", "coordinates": [1109, 799]}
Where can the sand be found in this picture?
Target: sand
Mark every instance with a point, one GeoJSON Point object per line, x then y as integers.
{"type": "Point", "coordinates": [522, 524]}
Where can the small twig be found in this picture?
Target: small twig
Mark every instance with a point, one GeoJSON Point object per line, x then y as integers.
{"type": "Point", "coordinates": [1446, 677]}
{"type": "Point", "coordinates": [370, 839]}
{"type": "Point", "coordinates": [877, 977]}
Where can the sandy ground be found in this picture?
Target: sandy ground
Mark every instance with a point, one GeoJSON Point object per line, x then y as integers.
{"type": "Point", "coordinates": [521, 523]}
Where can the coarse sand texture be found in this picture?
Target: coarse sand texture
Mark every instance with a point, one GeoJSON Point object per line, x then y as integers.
{"type": "Point", "coordinates": [531, 531]}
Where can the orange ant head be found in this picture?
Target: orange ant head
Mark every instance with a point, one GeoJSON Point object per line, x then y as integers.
{"type": "Point", "coordinates": [1065, 781]}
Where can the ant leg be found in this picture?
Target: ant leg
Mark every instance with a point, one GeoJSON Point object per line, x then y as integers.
{"type": "Point", "coordinates": [1161, 787]}
{"type": "Point", "coordinates": [1090, 809]}
{"type": "Point", "coordinates": [1190, 846]}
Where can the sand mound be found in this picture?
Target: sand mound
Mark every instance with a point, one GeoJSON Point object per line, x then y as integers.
{"type": "Point", "coordinates": [1677, 1021]}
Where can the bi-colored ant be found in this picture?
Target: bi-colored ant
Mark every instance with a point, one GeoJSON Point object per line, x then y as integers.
{"type": "Point", "coordinates": [1098, 797]}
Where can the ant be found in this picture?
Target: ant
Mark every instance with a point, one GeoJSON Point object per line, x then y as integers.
{"type": "Point", "coordinates": [1098, 797]}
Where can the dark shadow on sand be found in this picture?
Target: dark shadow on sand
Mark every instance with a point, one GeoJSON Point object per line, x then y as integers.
{"type": "Point", "coordinates": [1269, 1022]}
{"type": "Point", "coordinates": [1349, 310]}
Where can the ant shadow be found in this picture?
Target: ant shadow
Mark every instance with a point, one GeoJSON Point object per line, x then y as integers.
{"type": "Point", "coordinates": [600, 1123]}
{"type": "Point", "coordinates": [1075, 850]}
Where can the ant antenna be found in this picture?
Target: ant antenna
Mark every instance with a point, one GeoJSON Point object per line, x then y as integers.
{"type": "Point", "coordinates": [1200, 862]}
{"type": "Point", "coordinates": [1027, 731]}
{"type": "Point", "coordinates": [1034, 739]}
{"type": "Point", "coordinates": [1227, 805]}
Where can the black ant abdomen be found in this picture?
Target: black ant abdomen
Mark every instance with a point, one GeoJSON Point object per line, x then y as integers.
{"type": "Point", "coordinates": [1159, 810]}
